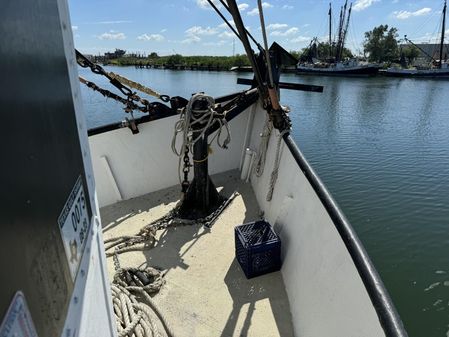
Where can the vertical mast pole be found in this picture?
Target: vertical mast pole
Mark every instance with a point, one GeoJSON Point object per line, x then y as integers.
{"type": "Point", "coordinates": [442, 34]}
{"type": "Point", "coordinates": [330, 29]}
{"type": "Point", "coordinates": [343, 40]}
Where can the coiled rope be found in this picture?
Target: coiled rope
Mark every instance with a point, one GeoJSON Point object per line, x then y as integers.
{"type": "Point", "coordinates": [200, 122]}
{"type": "Point", "coordinates": [134, 318]}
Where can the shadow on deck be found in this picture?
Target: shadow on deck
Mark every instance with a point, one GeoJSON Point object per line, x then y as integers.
{"type": "Point", "coordinates": [206, 292]}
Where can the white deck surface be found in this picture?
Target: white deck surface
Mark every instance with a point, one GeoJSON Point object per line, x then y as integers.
{"type": "Point", "coordinates": [206, 292]}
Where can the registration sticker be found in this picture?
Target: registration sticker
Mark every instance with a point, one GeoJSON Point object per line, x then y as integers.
{"type": "Point", "coordinates": [18, 322]}
{"type": "Point", "coordinates": [74, 225]}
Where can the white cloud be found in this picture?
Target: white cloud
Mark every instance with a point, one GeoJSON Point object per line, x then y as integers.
{"type": "Point", "coordinates": [219, 43]}
{"type": "Point", "coordinates": [255, 10]}
{"type": "Point", "coordinates": [74, 28]}
{"type": "Point", "coordinates": [163, 30]}
{"type": "Point", "coordinates": [198, 30]}
{"type": "Point", "coordinates": [205, 5]}
{"type": "Point", "coordinates": [224, 25]}
{"type": "Point", "coordinates": [360, 5]}
{"type": "Point", "coordinates": [151, 37]}
{"type": "Point", "coordinates": [191, 39]}
{"type": "Point", "coordinates": [287, 7]}
{"type": "Point", "coordinates": [288, 32]}
{"type": "Point", "coordinates": [112, 36]}
{"type": "Point", "coordinates": [227, 34]}
{"type": "Point", "coordinates": [243, 6]}
{"type": "Point", "coordinates": [300, 38]}
{"type": "Point", "coordinates": [402, 15]}
{"type": "Point", "coordinates": [275, 26]}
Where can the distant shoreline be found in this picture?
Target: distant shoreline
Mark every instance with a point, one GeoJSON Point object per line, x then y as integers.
{"type": "Point", "coordinates": [179, 62]}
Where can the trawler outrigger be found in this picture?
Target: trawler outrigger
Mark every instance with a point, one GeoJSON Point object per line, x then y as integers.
{"type": "Point", "coordinates": [173, 267]}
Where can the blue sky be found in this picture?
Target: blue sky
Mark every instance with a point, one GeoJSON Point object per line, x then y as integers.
{"type": "Point", "coordinates": [191, 27]}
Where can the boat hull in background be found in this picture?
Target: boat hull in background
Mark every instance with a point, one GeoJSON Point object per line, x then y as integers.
{"type": "Point", "coordinates": [350, 71]}
{"type": "Point", "coordinates": [415, 73]}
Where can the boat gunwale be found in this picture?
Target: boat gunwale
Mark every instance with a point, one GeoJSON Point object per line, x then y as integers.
{"type": "Point", "coordinates": [148, 118]}
{"type": "Point", "coordinates": [388, 316]}
{"type": "Point", "coordinates": [386, 311]}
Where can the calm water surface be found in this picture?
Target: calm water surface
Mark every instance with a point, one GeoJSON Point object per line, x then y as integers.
{"type": "Point", "coordinates": [382, 148]}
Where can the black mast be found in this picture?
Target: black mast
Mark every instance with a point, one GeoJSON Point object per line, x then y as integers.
{"type": "Point", "coordinates": [343, 39]}
{"type": "Point", "coordinates": [340, 30]}
{"type": "Point", "coordinates": [442, 35]}
{"type": "Point", "coordinates": [330, 30]}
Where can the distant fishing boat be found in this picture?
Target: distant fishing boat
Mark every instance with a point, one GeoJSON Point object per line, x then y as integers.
{"type": "Point", "coordinates": [334, 65]}
{"type": "Point", "coordinates": [437, 69]}
{"type": "Point", "coordinates": [242, 69]}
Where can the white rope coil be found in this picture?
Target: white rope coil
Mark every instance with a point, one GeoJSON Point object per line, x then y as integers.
{"type": "Point", "coordinates": [135, 318]}
{"type": "Point", "coordinates": [188, 122]}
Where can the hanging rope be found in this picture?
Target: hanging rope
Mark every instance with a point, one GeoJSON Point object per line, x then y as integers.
{"type": "Point", "coordinates": [261, 155]}
{"type": "Point", "coordinates": [189, 122]}
{"type": "Point", "coordinates": [277, 162]}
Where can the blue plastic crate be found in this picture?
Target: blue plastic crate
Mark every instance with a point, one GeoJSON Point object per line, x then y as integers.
{"type": "Point", "coordinates": [257, 248]}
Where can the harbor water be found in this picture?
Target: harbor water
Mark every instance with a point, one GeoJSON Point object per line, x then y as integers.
{"type": "Point", "coordinates": [381, 146]}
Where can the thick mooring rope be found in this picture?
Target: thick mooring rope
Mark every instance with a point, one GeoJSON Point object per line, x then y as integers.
{"type": "Point", "coordinates": [134, 318]}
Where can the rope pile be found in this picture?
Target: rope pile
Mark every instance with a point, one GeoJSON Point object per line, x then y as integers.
{"type": "Point", "coordinates": [134, 318]}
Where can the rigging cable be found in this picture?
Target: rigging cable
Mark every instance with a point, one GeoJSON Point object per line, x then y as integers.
{"type": "Point", "coordinates": [130, 104]}
{"type": "Point", "coordinates": [265, 42]}
{"type": "Point", "coordinates": [246, 30]}
{"type": "Point", "coordinates": [115, 80]}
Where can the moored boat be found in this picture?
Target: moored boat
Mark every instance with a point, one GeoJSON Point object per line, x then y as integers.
{"type": "Point", "coordinates": [333, 64]}
{"type": "Point", "coordinates": [347, 68]}
{"type": "Point", "coordinates": [439, 68]}
{"type": "Point", "coordinates": [87, 207]}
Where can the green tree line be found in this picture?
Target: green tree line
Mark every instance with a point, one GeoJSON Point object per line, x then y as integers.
{"type": "Point", "coordinates": [380, 45]}
{"type": "Point", "coordinates": [180, 60]}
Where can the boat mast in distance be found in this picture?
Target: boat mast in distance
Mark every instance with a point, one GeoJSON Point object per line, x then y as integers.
{"type": "Point", "coordinates": [442, 35]}
{"type": "Point", "coordinates": [330, 30]}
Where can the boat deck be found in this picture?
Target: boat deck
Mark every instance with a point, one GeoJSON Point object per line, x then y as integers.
{"type": "Point", "coordinates": [206, 293]}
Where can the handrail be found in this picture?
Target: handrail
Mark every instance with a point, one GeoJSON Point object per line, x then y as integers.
{"type": "Point", "coordinates": [386, 312]}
